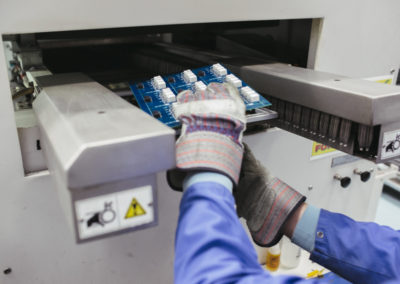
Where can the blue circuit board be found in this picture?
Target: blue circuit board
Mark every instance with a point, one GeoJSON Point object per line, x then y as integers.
{"type": "Point", "coordinates": [149, 96]}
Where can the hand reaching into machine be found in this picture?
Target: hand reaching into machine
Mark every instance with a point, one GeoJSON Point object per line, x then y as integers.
{"type": "Point", "coordinates": [213, 121]}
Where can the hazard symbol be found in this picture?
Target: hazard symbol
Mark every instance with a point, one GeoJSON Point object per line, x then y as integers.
{"type": "Point", "coordinates": [135, 209]}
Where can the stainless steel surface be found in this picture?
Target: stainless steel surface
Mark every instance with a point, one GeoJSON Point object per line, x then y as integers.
{"type": "Point", "coordinates": [261, 115]}
{"type": "Point", "coordinates": [98, 146]}
{"type": "Point", "coordinates": [357, 100]}
{"type": "Point", "coordinates": [95, 137]}
{"type": "Point", "coordinates": [342, 160]}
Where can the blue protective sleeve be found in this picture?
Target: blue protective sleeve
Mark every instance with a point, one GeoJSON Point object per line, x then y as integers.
{"type": "Point", "coordinates": [207, 177]}
{"type": "Point", "coordinates": [304, 233]}
{"type": "Point", "coordinates": [358, 251]}
{"type": "Point", "coordinates": [211, 245]}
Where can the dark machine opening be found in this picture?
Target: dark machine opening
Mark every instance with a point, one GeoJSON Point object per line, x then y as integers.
{"type": "Point", "coordinates": [114, 55]}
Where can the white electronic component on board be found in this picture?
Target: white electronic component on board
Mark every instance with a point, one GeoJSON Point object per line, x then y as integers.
{"type": "Point", "coordinates": [232, 79]}
{"type": "Point", "coordinates": [159, 83]}
{"type": "Point", "coordinates": [250, 94]}
{"type": "Point", "coordinates": [167, 95]}
{"type": "Point", "coordinates": [219, 70]}
{"type": "Point", "coordinates": [200, 86]}
{"type": "Point", "coordinates": [173, 109]}
{"type": "Point", "coordinates": [189, 76]}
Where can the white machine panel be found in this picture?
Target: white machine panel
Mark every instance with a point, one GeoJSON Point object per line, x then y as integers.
{"type": "Point", "coordinates": [290, 157]}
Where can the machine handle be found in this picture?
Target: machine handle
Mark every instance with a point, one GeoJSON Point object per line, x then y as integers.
{"type": "Point", "coordinates": [364, 175]}
{"type": "Point", "coordinates": [344, 181]}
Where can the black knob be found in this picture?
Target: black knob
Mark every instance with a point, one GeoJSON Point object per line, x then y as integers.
{"type": "Point", "coordinates": [344, 181]}
{"type": "Point", "coordinates": [364, 176]}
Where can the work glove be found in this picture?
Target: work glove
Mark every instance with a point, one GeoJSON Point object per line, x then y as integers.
{"type": "Point", "coordinates": [213, 121]}
{"type": "Point", "coordinates": [264, 201]}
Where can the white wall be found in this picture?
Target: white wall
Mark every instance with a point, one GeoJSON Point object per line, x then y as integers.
{"type": "Point", "coordinates": [361, 39]}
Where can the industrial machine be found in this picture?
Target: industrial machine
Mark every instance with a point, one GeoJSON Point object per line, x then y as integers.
{"type": "Point", "coordinates": [85, 197]}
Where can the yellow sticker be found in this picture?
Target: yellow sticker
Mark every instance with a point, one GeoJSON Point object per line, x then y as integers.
{"type": "Point", "coordinates": [316, 273]}
{"type": "Point", "coordinates": [135, 209]}
{"type": "Point", "coordinates": [320, 149]}
{"type": "Point", "coordinates": [385, 81]}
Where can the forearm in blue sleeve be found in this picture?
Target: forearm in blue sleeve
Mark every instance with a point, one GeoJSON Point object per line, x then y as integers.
{"type": "Point", "coordinates": [211, 245]}
{"type": "Point", "coordinates": [358, 251]}
{"type": "Point", "coordinates": [304, 233]}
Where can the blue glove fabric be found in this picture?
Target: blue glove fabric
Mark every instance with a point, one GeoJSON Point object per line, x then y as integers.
{"type": "Point", "coordinates": [211, 245]}
{"type": "Point", "coordinates": [361, 252]}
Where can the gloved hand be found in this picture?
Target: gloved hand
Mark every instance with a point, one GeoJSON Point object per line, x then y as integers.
{"type": "Point", "coordinates": [213, 122]}
{"type": "Point", "coordinates": [264, 201]}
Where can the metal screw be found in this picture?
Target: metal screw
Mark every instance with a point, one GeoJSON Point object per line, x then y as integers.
{"type": "Point", "coordinates": [320, 235]}
{"type": "Point", "coordinates": [310, 187]}
{"type": "Point", "coordinates": [392, 71]}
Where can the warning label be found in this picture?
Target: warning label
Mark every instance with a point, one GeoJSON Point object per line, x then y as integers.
{"type": "Point", "coordinates": [319, 149]}
{"type": "Point", "coordinates": [135, 209]}
{"type": "Point", "coordinates": [113, 212]}
{"type": "Point", "coordinates": [390, 144]}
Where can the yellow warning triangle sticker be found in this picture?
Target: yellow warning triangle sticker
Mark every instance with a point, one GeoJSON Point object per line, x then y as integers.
{"type": "Point", "coordinates": [135, 209]}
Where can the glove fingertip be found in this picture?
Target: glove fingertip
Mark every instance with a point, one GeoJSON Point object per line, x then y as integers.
{"type": "Point", "coordinates": [185, 96]}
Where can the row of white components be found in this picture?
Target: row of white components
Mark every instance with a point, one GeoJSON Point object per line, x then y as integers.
{"type": "Point", "coordinates": [250, 95]}
{"type": "Point", "coordinates": [232, 79]}
{"type": "Point", "coordinates": [190, 77]}
{"type": "Point", "coordinates": [167, 95]}
{"type": "Point", "coordinates": [219, 70]}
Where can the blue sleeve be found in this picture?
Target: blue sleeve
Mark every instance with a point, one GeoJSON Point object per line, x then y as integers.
{"type": "Point", "coordinates": [211, 245]}
{"type": "Point", "coordinates": [304, 233]}
{"type": "Point", "coordinates": [358, 251]}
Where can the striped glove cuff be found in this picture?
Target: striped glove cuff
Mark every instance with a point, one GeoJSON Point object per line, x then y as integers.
{"type": "Point", "coordinates": [267, 231]}
{"type": "Point", "coordinates": [210, 151]}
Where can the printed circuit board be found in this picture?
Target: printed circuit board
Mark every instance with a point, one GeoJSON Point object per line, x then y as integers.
{"type": "Point", "coordinates": [157, 95]}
